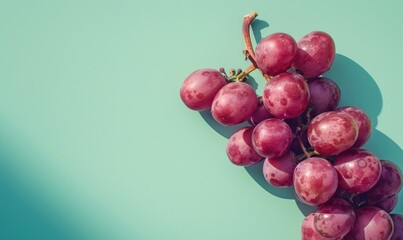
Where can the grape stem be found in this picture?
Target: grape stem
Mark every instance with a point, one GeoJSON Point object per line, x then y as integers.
{"type": "Point", "coordinates": [249, 53]}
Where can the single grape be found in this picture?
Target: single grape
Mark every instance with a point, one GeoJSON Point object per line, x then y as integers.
{"type": "Point", "coordinates": [272, 137]}
{"type": "Point", "coordinates": [389, 183]}
{"type": "Point", "coordinates": [200, 87]}
{"type": "Point", "coordinates": [325, 95]}
{"type": "Point", "coordinates": [259, 114]}
{"type": "Point", "coordinates": [363, 123]}
{"type": "Point", "coordinates": [359, 170]}
{"type": "Point", "coordinates": [371, 223]}
{"type": "Point", "coordinates": [334, 219]}
{"type": "Point", "coordinates": [275, 53]}
{"type": "Point", "coordinates": [333, 132]}
{"type": "Point", "coordinates": [315, 181]}
{"type": "Point", "coordinates": [308, 231]}
{"type": "Point", "coordinates": [315, 54]}
{"type": "Point", "coordinates": [234, 103]}
{"type": "Point", "coordinates": [398, 226]}
{"type": "Point", "coordinates": [278, 171]}
{"type": "Point", "coordinates": [240, 150]}
{"type": "Point", "coordinates": [286, 95]}
{"type": "Point", "coordinates": [386, 204]}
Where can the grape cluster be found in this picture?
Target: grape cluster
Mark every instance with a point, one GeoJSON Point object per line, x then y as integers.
{"type": "Point", "coordinates": [304, 138]}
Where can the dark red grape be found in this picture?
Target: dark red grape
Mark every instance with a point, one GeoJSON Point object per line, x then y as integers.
{"type": "Point", "coordinates": [398, 227]}
{"type": "Point", "coordinates": [315, 181]}
{"type": "Point", "coordinates": [386, 204]}
{"type": "Point", "coordinates": [234, 103]}
{"type": "Point", "coordinates": [200, 87]}
{"type": "Point", "coordinates": [333, 132]}
{"type": "Point", "coordinates": [272, 137]}
{"type": "Point", "coordinates": [325, 94]}
{"type": "Point", "coordinates": [259, 114]}
{"type": "Point", "coordinates": [308, 231]}
{"type": "Point", "coordinates": [275, 53]}
{"type": "Point", "coordinates": [363, 122]}
{"type": "Point", "coordinates": [286, 95]}
{"type": "Point", "coordinates": [334, 219]}
{"type": "Point", "coordinates": [278, 171]}
{"type": "Point", "coordinates": [240, 150]}
{"type": "Point", "coordinates": [359, 170]}
{"type": "Point", "coordinates": [315, 54]}
{"type": "Point", "coordinates": [371, 223]}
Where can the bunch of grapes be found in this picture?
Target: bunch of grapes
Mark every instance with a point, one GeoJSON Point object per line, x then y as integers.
{"type": "Point", "coordinates": [304, 138]}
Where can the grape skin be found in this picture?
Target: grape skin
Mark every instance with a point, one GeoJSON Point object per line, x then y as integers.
{"type": "Point", "coordinates": [275, 53]}
{"type": "Point", "coordinates": [308, 231]}
{"type": "Point", "coordinates": [199, 88]}
{"type": "Point", "coordinates": [278, 171]}
{"type": "Point", "coordinates": [234, 103]}
{"type": "Point", "coordinates": [363, 123]}
{"type": "Point", "coordinates": [333, 132]}
{"type": "Point", "coordinates": [240, 150]}
{"type": "Point", "coordinates": [315, 181]}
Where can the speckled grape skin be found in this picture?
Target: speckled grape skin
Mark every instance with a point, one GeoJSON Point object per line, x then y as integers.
{"type": "Point", "coordinates": [200, 87]}
{"type": "Point", "coordinates": [398, 226]}
{"type": "Point", "coordinates": [387, 204]}
{"type": "Point", "coordinates": [286, 95]}
{"type": "Point", "coordinates": [359, 170]}
{"type": "Point", "coordinates": [315, 54]}
{"type": "Point", "coordinates": [333, 132]}
{"type": "Point", "coordinates": [389, 183]}
{"type": "Point", "coordinates": [259, 114]}
{"type": "Point", "coordinates": [325, 95]}
{"type": "Point", "coordinates": [234, 103]}
{"type": "Point", "coordinates": [240, 150]}
{"type": "Point", "coordinates": [275, 53]}
{"type": "Point", "coordinates": [308, 231]}
{"type": "Point", "coordinates": [272, 137]}
{"type": "Point", "coordinates": [334, 219]}
{"type": "Point", "coordinates": [315, 181]}
{"type": "Point", "coordinates": [363, 123]}
{"type": "Point", "coordinates": [278, 171]}
{"type": "Point", "coordinates": [371, 223]}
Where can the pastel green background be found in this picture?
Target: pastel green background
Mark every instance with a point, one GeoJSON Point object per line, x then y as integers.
{"type": "Point", "coordinates": [95, 142]}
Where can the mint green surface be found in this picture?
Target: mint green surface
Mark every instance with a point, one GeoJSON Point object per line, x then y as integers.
{"type": "Point", "coordinates": [95, 142]}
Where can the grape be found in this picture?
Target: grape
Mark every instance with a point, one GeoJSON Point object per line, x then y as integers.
{"type": "Point", "coordinates": [389, 183]}
{"type": "Point", "coordinates": [278, 171]}
{"type": "Point", "coordinates": [363, 122]}
{"type": "Point", "coordinates": [398, 229]}
{"type": "Point", "coordinates": [386, 204]}
{"type": "Point", "coordinates": [259, 114]}
{"type": "Point", "coordinates": [371, 223]}
{"type": "Point", "coordinates": [334, 219]}
{"type": "Point", "coordinates": [240, 150]}
{"type": "Point", "coordinates": [234, 103]}
{"type": "Point", "coordinates": [315, 54]}
{"type": "Point", "coordinates": [272, 137]}
{"type": "Point", "coordinates": [359, 170]}
{"type": "Point", "coordinates": [286, 95]}
{"type": "Point", "coordinates": [275, 53]}
{"type": "Point", "coordinates": [333, 132]}
{"type": "Point", "coordinates": [325, 94]}
{"type": "Point", "coordinates": [308, 231]}
{"type": "Point", "coordinates": [315, 181]}
{"type": "Point", "coordinates": [200, 87]}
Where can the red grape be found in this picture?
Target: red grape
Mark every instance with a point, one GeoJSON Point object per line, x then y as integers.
{"type": "Point", "coordinates": [278, 171]}
{"type": "Point", "coordinates": [359, 170]}
{"type": "Point", "coordinates": [398, 227]}
{"type": "Point", "coordinates": [325, 94]}
{"type": "Point", "coordinates": [200, 87]}
{"type": "Point", "coordinates": [315, 54]}
{"type": "Point", "coordinates": [333, 132]}
{"type": "Point", "coordinates": [234, 103]}
{"type": "Point", "coordinates": [371, 223]}
{"type": "Point", "coordinates": [286, 95]}
{"type": "Point", "coordinates": [315, 181]}
{"type": "Point", "coordinates": [334, 219]}
{"type": "Point", "coordinates": [387, 204]}
{"type": "Point", "coordinates": [259, 114]}
{"type": "Point", "coordinates": [363, 123]}
{"type": "Point", "coordinates": [308, 231]}
{"type": "Point", "coordinates": [240, 150]}
{"type": "Point", "coordinates": [272, 137]}
{"type": "Point", "coordinates": [275, 53]}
